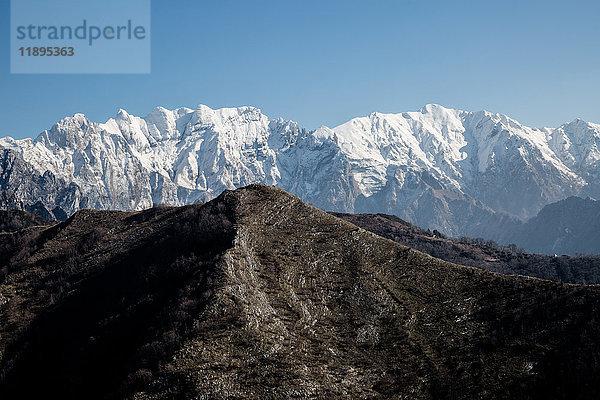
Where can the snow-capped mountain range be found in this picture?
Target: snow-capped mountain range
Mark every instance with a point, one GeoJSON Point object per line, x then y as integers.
{"type": "Point", "coordinates": [457, 171]}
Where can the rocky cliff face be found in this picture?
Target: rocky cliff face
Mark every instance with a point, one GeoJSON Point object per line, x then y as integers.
{"type": "Point", "coordinates": [466, 173]}
{"type": "Point", "coordinates": [259, 295]}
{"type": "Point", "coordinates": [22, 187]}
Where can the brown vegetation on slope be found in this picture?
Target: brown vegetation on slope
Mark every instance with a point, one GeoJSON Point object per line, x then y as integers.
{"type": "Point", "coordinates": [480, 253]}
{"type": "Point", "coordinates": [259, 295]}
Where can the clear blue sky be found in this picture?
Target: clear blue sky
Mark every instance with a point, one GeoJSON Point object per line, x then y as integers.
{"type": "Point", "coordinates": [324, 62]}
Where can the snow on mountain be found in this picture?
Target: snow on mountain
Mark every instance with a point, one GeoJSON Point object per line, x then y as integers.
{"type": "Point", "coordinates": [577, 144]}
{"type": "Point", "coordinates": [438, 167]}
{"type": "Point", "coordinates": [486, 156]}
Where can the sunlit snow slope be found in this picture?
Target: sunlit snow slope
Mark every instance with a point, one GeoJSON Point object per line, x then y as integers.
{"type": "Point", "coordinates": [458, 171]}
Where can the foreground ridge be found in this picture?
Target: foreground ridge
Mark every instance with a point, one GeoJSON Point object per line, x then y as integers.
{"type": "Point", "coordinates": [257, 294]}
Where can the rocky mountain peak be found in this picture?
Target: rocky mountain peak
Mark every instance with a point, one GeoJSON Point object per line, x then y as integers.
{"type": "Point", "coordinates": [469, 165]}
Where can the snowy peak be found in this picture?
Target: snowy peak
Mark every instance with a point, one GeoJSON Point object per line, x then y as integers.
{"type": "Point", "coordinates": [580, 130]}
{"type": "Point", "coordinates": [437, 167]}
{"type": "Point", "coordinates": [122, 115]}
{"type": "Point", "coordinates": [436, 112]}
{"type": "Point", "coordinates": [68, 132]}
{"type": "Point", "coordinates": [578, 146]}
{"type": "Point", "coordinates": [165, 124]}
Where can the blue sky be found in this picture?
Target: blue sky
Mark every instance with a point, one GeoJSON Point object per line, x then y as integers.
{"type": "Point", "coordinates": [325, 62]}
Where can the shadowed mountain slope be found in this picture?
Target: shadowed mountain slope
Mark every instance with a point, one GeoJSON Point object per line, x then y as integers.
{"type": "Point", "coordinates": [14, 220]}
{"type": "Point", "coordinates": [259, 295]}
{"type": "Point", "coordinates": [480, 253]}
{"type": "Point", "coordinates": [569, 226]}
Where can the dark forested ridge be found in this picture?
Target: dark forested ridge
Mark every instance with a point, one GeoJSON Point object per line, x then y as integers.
{"type": "Point", "coordinates": [15, 220]}
{"type": "Point", "coordinates": [480, 253]}
{"type": "Point", "coordinates": [259, 295]}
